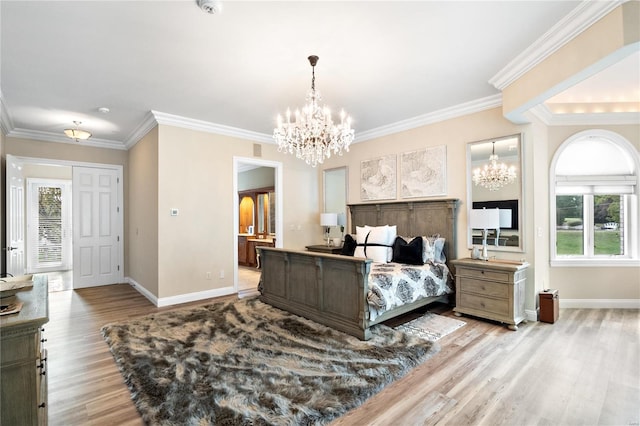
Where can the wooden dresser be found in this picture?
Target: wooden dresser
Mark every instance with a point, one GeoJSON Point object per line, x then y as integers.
{"type": "Point", "coordinates": [23, 358]}
{"type": "Point", "coordinates": [493, 290]}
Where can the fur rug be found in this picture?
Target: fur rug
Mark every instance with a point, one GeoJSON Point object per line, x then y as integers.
{"type": "Point", "coordinates": [247, 363]}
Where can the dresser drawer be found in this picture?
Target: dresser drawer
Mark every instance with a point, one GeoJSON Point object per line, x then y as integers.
{"type": "Point", "coordinates": [472, 301]}
{"type": "Point", "coordinates": [483, 274]}
{"type": "Point", "coordinates": [484, 288]}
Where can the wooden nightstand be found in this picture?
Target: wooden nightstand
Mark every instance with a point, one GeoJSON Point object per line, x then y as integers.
{"type": "Point", "coordinates": [323, 248]}
{"type": "Point", "coordinates": [491, 289]}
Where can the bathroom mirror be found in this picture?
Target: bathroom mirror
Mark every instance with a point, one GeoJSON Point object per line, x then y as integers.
{"type": "Point", "coordinates": [506, 196]}
{"type": "Point", "coordinates": [334, 184]}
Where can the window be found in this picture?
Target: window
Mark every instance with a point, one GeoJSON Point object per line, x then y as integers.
{"type": "Point", "coordinates": [594, 202]}
{"type": "Point", "coordinates": [49, 233]}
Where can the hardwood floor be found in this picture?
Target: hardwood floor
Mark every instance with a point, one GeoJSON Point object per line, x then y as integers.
{"type": "Point", "coordinates": [584, 369]}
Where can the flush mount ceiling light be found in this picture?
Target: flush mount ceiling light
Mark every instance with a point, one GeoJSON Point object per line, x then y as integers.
{"type": "Point", "coordinates": [313, 136]}
{"type": "Point", "coordinates": [77, 133]}
{"type": "Point", "coordinates": [494, 175]}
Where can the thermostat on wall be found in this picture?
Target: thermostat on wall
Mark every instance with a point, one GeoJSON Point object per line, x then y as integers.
{"type": "Point", "coordinates": [174, 212]}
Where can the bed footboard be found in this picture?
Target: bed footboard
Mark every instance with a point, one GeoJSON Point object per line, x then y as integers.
{"type": "Point", "coordinates": [329, 289]}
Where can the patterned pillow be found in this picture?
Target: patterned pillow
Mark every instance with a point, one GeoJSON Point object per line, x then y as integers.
{"type": "Point", "coordinates": [433, 249]}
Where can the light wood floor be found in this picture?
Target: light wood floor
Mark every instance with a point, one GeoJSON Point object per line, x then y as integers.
{"type": "Point", "coordinates": [584, 369]}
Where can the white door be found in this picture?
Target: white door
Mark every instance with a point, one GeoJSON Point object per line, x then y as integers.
{"type": "Point", "coordinates": [96, 227]}
{"type": "Point", "coordinates": [15, 217]}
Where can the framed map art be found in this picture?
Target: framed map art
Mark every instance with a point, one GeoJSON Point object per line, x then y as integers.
{"type": "Point", "coordinates": [378, 178]}
{"type": "Point", "coordinates": [423, 173]}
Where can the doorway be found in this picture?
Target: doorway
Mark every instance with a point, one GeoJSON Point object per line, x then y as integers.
{"type": "Point", "coordinates": [266, 217]}
{"type": "Point", "coordinates": [46, 242]}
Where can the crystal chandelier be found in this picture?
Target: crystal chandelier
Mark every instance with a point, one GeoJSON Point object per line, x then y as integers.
{"type": "Point", "coordinates": [494, 175]}
{"type": "Point", "coordinates": [312, 135]}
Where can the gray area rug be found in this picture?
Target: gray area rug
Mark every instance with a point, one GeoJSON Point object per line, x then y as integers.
{"type": "Point", "coordinates": [247, 363]}
{"type": "Point", "coordinates": [430, 326]}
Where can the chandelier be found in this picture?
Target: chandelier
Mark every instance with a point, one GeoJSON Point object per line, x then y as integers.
{"type": "Point", "coordinates": [494, 175]}
{"type": "Point", "coordinates": [312, 135]}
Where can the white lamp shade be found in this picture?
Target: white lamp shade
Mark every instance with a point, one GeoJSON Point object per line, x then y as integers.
{"type": "Point", "coordinates": [484, 219]}
{"type": "Point", "coordinates": [342, 219]}
{"type": "Point", "coordinates": [505, 218]}
{"type": "Point", "coordinates": [328, 219]}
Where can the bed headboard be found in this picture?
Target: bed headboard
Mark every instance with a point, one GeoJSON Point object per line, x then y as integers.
{"type": "Point", "coordinates": [413, 218]}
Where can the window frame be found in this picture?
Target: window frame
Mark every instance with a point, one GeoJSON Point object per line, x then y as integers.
{"type": "Point", "coordinates": [629, 205]}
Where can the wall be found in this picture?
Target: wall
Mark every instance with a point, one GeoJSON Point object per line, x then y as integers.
{"type": "Point", "coordinates": [455, 134]}
{"type": "Point", "coordinates": [599, 283]}
{"type": "Point", "coordinates": [3, 224]}
{"type": "Point", "coordinates": [47, 171]}
{"type": "Point", "coordinates": [142, 219]}
{"type": "Point", "coordinates": [195, 175]}
{"type": "Point", "coordinates": [261, 177]}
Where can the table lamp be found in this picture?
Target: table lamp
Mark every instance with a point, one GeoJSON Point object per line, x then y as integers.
{"type": "Point", "coordinates": [328, 220]}
{"type": "Point", "coordinates": [505, 222]}
{"type": "Point", "coordinates": [484, 219]}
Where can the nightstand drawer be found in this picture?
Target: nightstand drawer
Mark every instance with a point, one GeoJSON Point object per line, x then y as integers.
{"type": "Point", "coordinates": [484, 288]}
{"type": "Point", "coordinates": [483, 274]}
{"type": "Point", "coordinates": [480, 303]}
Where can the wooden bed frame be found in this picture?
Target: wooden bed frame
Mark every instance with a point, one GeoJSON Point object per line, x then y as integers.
{"type": "Point", "coordinates": [332, 289]}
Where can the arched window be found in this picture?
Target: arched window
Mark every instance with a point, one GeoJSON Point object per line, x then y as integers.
{"type": "Point", "coordinates": [594, 202]}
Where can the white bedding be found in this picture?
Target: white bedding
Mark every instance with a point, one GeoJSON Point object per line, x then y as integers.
{"type": "Point", "coordinates": [395, 284]}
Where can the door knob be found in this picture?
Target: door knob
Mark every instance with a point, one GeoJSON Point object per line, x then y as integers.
{"type": "Point", "coordinates": [12, 248]}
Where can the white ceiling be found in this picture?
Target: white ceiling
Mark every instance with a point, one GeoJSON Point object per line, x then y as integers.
{"type": "Point", "coordinates": [384, 62]}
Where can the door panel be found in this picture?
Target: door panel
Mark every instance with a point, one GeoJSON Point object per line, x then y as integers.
{"type": "Point", "coordinates": [15, 209]}
{"type": "Point", "coordinates": [96, 227]}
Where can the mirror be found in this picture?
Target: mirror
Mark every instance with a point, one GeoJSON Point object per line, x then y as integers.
{"type": "Point", "coordinates": [507, 198]}
{"type": "Point", "coordinates": [334, 184]}
{"type": "Point", "coordinates": [266, 207]}
{"type": "Point", "coordinates": [246, 215]}
{"type": "Point", "coordinates": [257, 212]}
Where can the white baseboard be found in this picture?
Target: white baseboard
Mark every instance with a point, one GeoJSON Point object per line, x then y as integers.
{"type": "Point", "coordinates": [531, 315]}
{"type": "Point", "coordinates": [600, 303]}
{"type": "Point", "coordinates": [143, 291]}
{"type": "Point", "coordinates": [181, 298]}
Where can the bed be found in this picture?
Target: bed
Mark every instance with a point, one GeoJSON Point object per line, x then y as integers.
{"type": "Point", "coordinates": [333, 289]}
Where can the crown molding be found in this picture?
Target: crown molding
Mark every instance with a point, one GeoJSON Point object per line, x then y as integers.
{"type": "Point", "coordinates": [58, 138]}
{"type": "Point", "coordinates": [493, 101]}
{"type": "Point", "coordinates": [145, 126]}
{"type": "Point", "coordinates": [544, 114]}
{"type": "Point", "coordinates": [578, 20]}
{"type": "Point", "coordinates": [208, 127]}
{"type": "Point", "coordinates": [6, 124]}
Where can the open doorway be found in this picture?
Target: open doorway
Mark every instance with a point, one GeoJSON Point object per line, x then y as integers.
{"type": "Point", "coordinates": [257, 217]}
{"type": "Point", "coordinates": [49, 230]}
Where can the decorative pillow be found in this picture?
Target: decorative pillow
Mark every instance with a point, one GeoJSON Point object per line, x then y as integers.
{"type": "Point", "coordinates": [349, 246]}
{"type": "Point", "coordinates": [433, 249]}
{"type": "Point", "coordinates": [375, 242]}
{"type": "Point", "coordinates": [409, 253]}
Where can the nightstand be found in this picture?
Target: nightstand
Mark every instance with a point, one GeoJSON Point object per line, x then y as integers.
{"type": "Point", "coordinates": [323, 248]}
{"type": "Point", "coordinates": [492, 289]}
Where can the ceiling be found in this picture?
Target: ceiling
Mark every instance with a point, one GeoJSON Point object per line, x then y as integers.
{"type": "Point", "coordinates": [384, 62]}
